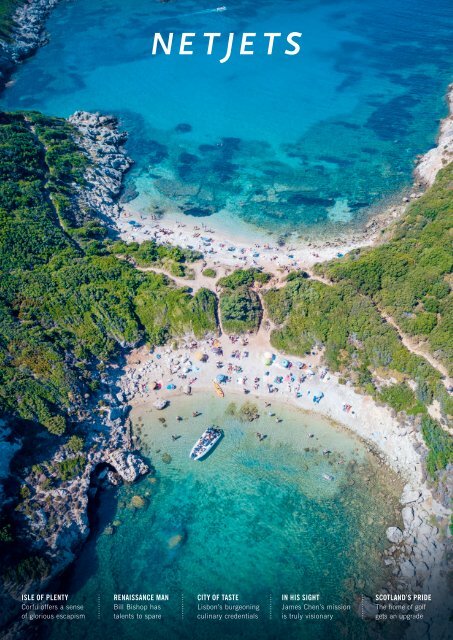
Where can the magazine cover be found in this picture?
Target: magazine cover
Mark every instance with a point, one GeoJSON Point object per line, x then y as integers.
{"type": "Point", "coordinates": [226, 319]}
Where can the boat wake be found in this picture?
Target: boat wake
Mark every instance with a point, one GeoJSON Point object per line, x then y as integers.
{"type": "Point", "coordinates": [197, 13]}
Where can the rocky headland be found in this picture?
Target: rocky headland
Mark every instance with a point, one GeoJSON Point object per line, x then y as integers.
{"type": "Point", "coordinates": [103, 143]}
{"type": "Point", "coordinates": [27, 34]}
{"type": "Point", "coordinates": [55, 513]}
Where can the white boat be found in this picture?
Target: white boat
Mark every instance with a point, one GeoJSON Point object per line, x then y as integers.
{"type": "Point", "coordinates": [205, 443]}
{"type": "Point", "coordinates": [223, 8]}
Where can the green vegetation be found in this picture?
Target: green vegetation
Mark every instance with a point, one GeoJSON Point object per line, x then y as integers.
{"type": "Point", "coordinates": [401, 398]}
{"type": "Point", "coordinates": [66, 304]}
{"type": "Point", "coordinates": [240, 305]}
{"type": "Point", "coordinates": [240, 310]}
{"type": "Point", "coordinates": [70, 468]}
{"type": "Point", "coordinates": [167, 312]}
{"type": "Point", "coordinates": [7, 10]}
{"type": "Point", "coordinates": [408, 276]}
{"type": "Point", "coordinates": [149, 254]}
{"type": "Point", "coordinates": [362, 347]}
{"type": "Point", "coordinates": [440, 445]}
{"type": "Point", "coordinates": [209, 273]}
{"type": "Point", "coordinates": [357, 342]}
{"type": "Point", "coordinates": [75, 444]}
{"type": "Point", "coordinates": [244, 278]}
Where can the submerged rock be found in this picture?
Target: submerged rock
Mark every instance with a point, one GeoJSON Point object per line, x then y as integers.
{"type": "Point", "coordinates": [175, 540]}
{"type": "Point", "coordinates": [137, 502]}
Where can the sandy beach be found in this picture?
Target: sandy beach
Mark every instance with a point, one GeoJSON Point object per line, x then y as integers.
{"type": "Point", "coordinates": [166, 373]}
{"type": "Point", "coordinates": [226, 247]}
{"type": "Point", "coordinates": [242, 365]}
{"type": "Point", "coordinates": [226, 242]}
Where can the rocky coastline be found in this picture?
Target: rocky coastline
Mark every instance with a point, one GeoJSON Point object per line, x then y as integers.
{"type": "Point", "coordinates": [103, 143]}
{"type": "Point", "coordinates": [27, 34]}
{"type": "Point", "coordinates": [57, 520]}
{"type": "Point", "coordinates": [417, 549]}
{"type": "Point", "coordinates": [436, 158]}
{"type": "Point", "coordinates": [55, 513]}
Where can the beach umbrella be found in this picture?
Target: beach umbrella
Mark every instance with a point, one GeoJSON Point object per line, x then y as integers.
{"type": "Point", "coordinates": [187, 389]}
{"type": "Point", "coordinates": [221, 377]}
{"type": "Point", "coordinates": [171, 386]}
{"type": "Point", "coordinates": [201, 357]}
{"type": "Point", "coordinates": [284, 363]}
{"type": "Point", "coordinates": [268, 358]}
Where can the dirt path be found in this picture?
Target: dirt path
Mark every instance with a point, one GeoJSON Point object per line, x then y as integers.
{"type": "Point", "coordinates": [279, 281]}
{"type": "Point", "coordinates": [418, 349]}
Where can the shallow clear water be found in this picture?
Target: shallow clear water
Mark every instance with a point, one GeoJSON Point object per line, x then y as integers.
{"type": "Point", "coordinates": [278, 141]}
{"type": "Point", "coordinates": [254, 518]}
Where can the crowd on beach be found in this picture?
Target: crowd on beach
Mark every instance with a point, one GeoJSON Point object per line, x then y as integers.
{"type": "Point", "coordinates": [220, 252]}
{"type": "Point", "coordinates": [231, 362]}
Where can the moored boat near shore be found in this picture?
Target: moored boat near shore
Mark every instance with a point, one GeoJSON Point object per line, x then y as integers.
{"type": "Point", "coordinates": [206, 442]}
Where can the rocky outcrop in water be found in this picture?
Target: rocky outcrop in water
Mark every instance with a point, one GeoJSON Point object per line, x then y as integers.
{"type": "Point", "coordinates": [55, 515]}
{"type": "Point", "coordinates": [417, 556]}
{"type": "Point", "coordinates": [128, 465]}
{"type": "Point", "coordinates": [26, 36]}
{"type": "Point", "coordinates": [56, 512]}
{"type": "Point", "coordinates": [103, 144]}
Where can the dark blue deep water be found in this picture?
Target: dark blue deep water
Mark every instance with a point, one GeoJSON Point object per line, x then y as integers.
{"type": "Point", "coordinates": [279, 141]}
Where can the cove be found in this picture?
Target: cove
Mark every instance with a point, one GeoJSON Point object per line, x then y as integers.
{"type": "Point", "coordinates": [312, 141]}
{"type": "Point", "coordinates": [254, 518]}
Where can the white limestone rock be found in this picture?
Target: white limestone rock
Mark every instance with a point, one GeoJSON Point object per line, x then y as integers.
{"type": "Point", "coordinates": [128, 465]}
{"type": "Point", "coordinates": [394, 534]}
{"type": "Point", "coordinates": [410, 495]}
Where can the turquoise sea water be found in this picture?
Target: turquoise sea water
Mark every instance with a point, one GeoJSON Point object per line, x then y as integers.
{"type": "Point", "coordinates": [278, 141]}
{"type": "Point", "coordinates": [254, 518]}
